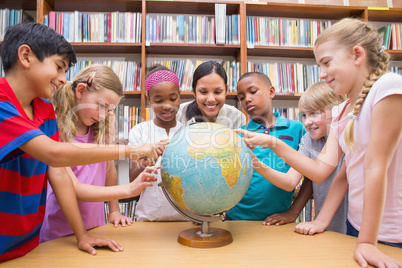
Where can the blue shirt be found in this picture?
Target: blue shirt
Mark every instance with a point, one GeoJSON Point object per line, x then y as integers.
{"type": "Point", "coordinates": [263, 198]}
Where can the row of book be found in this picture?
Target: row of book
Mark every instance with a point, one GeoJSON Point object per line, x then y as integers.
{"type": "Point", "coordinates": [126, 209]}
{"type": "Point", "coordinates": [288, 112]}
{"type": "Point", "coordinates": [11, 17]}
{"type": "Point", "coordinates": [110, 27]}
{"type": "Point", "coordinates": [396, 69]}
{"type": "Point", "coordinates": [288, 77]}
{"type": "Point", "coordinates": [265, 31]}
{"type": "Point", "coordinates": [184, 69]}
{"type": "Point", "coordinates": [191, 29]}
{"type": "Point", "coordinates": [126, 118]}
{"type": "Point", "coordinates": [129, 72]}
{"type": "Point", "coordinates": [392, 36]}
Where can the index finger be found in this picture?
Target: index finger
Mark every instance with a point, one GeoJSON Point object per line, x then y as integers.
{"type": "Point", "coordinates": [244, 132]}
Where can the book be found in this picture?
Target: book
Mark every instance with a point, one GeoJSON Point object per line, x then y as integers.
{"type": "Point", "coordinates": [220, 23]}
{"type": "Point", "coordinates": [385, 32]}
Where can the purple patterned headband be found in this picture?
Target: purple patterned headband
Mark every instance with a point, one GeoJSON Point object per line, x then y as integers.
{"type": "Point", "coordinates": [161, 76]}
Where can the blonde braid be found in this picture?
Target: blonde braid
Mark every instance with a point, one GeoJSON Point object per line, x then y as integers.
{"type": "Point", "coordinates": [349, 33]}
{"type": "Point", "coordinates": [382, 68]}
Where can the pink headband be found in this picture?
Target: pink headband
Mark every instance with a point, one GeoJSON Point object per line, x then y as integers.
{"type": "Point", "coordinates": [161, 76]}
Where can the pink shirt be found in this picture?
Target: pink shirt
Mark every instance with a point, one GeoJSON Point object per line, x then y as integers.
{"type": "Point", "coordinates": [391, 225]}
{"type": "Point", "coordinates": [55, 224]}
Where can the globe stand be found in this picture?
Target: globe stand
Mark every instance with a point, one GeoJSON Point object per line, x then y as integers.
{"type": "Point", "coordinates": [204, 236]}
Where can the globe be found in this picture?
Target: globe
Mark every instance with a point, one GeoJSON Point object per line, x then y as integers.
{"type": "Point", "coordinates": [206, 168]}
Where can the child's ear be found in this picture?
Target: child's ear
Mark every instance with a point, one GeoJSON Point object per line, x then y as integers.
{"type": "Point", "coordinates": [271, 93]}
{"type": "Point", "coordinates": [359, 55]}
{"type": "Point", "coordinates": [24, 54]}
{"type": "Point", "coordinates": [147, 98]}
{"type": "Point", "coordinates": [80, 90]}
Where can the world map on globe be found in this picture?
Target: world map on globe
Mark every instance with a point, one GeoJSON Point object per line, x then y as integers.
{"type": "Point", "coordinates": [206, 168]}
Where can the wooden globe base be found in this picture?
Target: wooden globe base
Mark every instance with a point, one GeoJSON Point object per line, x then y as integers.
{"type": "Point", "coordinates": [191, 238]}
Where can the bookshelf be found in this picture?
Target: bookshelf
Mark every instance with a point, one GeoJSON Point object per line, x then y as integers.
{"type": "Point", "coordinates": [242, 52]}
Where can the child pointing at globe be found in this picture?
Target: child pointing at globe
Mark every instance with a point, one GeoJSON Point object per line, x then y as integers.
{"type": "Point", "coordinates": [366, 128]}
{"type": "Point", "coordinates": [315, 107]}
{"type": "Point", "coordinates": [163, 94]}
{"type": "Point", "coordinates": [255, 92]}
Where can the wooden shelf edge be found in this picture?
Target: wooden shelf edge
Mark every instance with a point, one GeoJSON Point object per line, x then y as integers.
{"type": "Point", "coordinates": [287, 96]}
{"type": "Point", "coordinates": [98, 47]}
{"type": "Point", "coordinates": [132, 94]}
{"type": "Point", "coordinates": [281, 51]}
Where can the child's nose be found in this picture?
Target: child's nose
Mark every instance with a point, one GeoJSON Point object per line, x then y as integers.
{"type": "Point", "coordinates": [323, 73]}
{"type": "Point", "coordinates": [63, 78]}
{"type": "Point", "coordinates": [166, 106]}
{"type": "Point", "coordinates": [307, 121]}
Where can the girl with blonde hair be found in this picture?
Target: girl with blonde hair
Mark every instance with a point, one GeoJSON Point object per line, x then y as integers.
{"type": "Point", "coordinates": [84, 109]}
{"type": "Point", "coordinates": [367, 128]}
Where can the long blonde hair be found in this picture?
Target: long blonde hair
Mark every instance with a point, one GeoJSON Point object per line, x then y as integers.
{"type": "Point", "coordinates": [349, 33]}
{"type": "Point", "coordinates": [319, 97]}
{"type": "Point", "coordinates": [64, 102]}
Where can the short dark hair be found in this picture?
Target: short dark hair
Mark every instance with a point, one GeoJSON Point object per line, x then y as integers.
{"type": "Point", "coordinates": [263, 77]}
{"type": "Point", "coordinates": [43, 41]}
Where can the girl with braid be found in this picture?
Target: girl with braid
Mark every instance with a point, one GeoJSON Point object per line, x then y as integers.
{"type": "Point", "coordinates": [367, 128]}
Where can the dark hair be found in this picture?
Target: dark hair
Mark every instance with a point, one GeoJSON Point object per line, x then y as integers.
{"type": "Point", "coordinates": [43, 41]}
{"type": "Point", "coordinates": [155, 68]}
{"type": "Point", "coordinates": [259, 75]}
{"type": "Point", "coordinates": [202, 70]}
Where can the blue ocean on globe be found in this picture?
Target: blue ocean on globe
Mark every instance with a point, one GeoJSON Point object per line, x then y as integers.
{"type": "Point", "coordinates": [206, 168]}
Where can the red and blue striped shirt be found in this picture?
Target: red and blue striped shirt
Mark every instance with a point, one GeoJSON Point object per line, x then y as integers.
{"type": "Point", "coordinates": [23, 179]}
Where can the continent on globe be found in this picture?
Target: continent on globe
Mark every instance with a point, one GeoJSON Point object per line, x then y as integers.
{"type": "Point", "coordinates": [206, 168]}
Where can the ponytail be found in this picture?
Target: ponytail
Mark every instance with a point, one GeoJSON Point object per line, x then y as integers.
{"type": "Point", "coordinates": [64, 102]}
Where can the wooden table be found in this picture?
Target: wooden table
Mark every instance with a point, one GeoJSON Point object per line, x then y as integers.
{"type": "Point", "coordinates": [154, 244]}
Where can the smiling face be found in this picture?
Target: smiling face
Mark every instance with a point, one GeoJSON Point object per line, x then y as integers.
{"type": "Point", "coordinates": [256, 98]}
{"type": "Point", "coordinates": [93, 106]}
{"type": "Point", "coordinates": [339, 67]}
{"type": "Point", "coordinates": [48, 75]}
{"type": "Point", "coordinates": [210, 94]}
{"type": "Point", "coordinates": [316, 123]}
{"type": "Point", "coordinates": [164, 98]}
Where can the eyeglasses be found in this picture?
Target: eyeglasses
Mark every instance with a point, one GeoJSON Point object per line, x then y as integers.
{"type": "Point", "coordinates": [91, 78]}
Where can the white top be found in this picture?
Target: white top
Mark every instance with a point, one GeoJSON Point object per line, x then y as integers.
{"type": "Point", "coordinates": [153, 205]}
{"type": "Point", "coordinates": [391, 227]}
{"type": "Point", "coordinates": [228, 116]}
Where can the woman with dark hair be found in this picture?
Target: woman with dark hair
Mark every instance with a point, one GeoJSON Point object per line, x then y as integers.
{"type": "Point", "coordinates": [210, 90]}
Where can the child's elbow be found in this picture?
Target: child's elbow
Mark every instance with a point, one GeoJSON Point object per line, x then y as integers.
{"type": "Point", "coordinates": [289, 188]}
{"type": "Point", "coordinates": [55, 158]}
